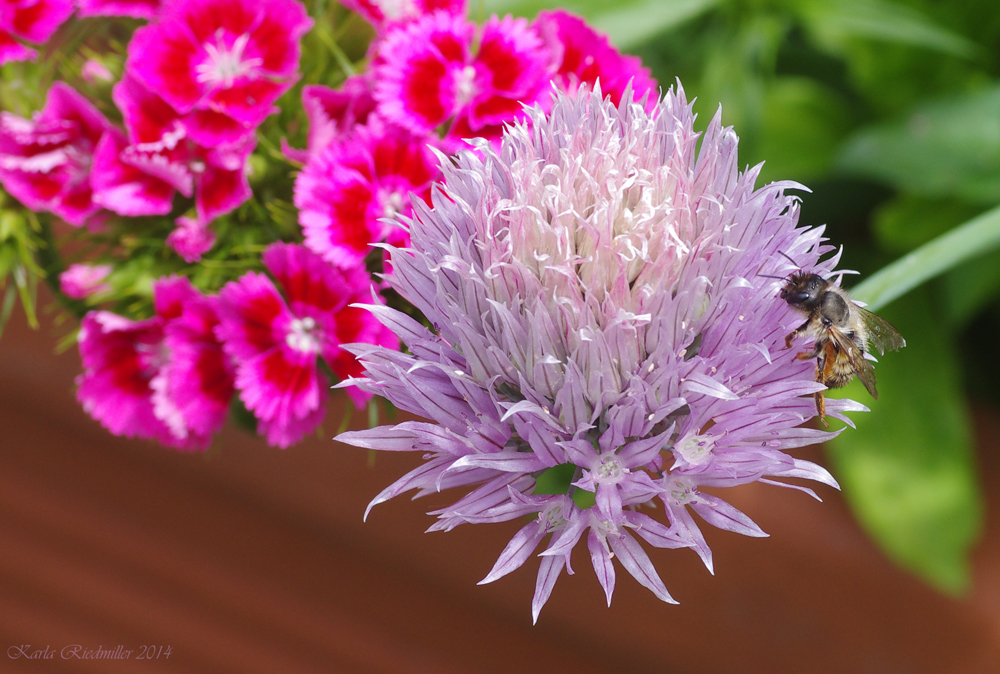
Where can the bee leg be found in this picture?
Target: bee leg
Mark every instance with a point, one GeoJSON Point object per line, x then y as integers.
{"type": "Point", "coordinates": [821, 407]}
{"type": "Point", "coordinates": [820, 402]}
{"type": "Point", "coordinates": [806, 355]}
{"type": "Point", "coordinates": [790, 337]}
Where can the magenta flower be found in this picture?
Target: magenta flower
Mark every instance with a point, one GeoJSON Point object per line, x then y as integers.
{"type": "Point", "coordinates": [345, 192]}
{"type": "Point", "coordinates": [125, 384]}
{"type": "Point", "coordinates": [32, 21]}
{"type": "Point", "coordinates": [586, 56]}
{"type": "Point", "coordinates": [428, 72]}
{"type": "Point", "coordinates": [121, 187]}
{"type": "Point", "coordinates": [80, 281]}
{"type": "Point", "coordinates": [333, 113]}
{"type": "Point", "coordinates": [603, 321]}
{"type": "Point", "coordinates": [197, 382]}
{"type": "Point", "coordinates": [139, 9]}
{"type": "Point", "coordinates": [45, 161]}
{"type": "Point", "coordinates": [191, 239]}
{"type": "Point", "coordinates": [163, 145]}
{"type": "Point", "coordinates": [95, 71]}
{"type": "Point", "coordinates": [382, 12]}
{"type": "Point", "coordinates": [276, 343]}
{"type": "Point", "coordinates": [234, 57]}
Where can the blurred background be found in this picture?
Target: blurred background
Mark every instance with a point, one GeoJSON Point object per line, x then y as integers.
{"type": "Point", "coordinates": [251, 559]}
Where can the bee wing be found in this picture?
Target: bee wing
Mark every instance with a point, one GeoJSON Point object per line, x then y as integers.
{"type": "Point", "coordinates": [856, 358]}
{"type": "Point", "coordinates": [881, 333]}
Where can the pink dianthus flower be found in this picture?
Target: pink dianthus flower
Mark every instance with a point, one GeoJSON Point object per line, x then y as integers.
{"type": "Point", "coordinates": [382, 12]}
{"type": "Point", "coordinates": [121, 187]}
{"type": "Point", "coordinates": [429, 72]}
{"type": "Point", "coordinates": [191, 239]}
{"type": "Point", "coordinates": [95, 71]}
{"type": "Point", "coordinates": [138, 9]}
{"type": "Point", "coordinates": [333, 113]}
{"type": "Point", "coordinates": [127, 384]}
{"type": "Point", "coordinates": [345, 193]}
{"type": "Point", "coordinates": [586, 56]}
{"type": "Point", "coordinates": [164, 144]}
{"type": "Point", "coordinates": [198, 377]}
{"type": "Point", "coordinates": [45, 162]}
{"type": "Point", "coordinates": [31, 20]}
{"type": "Point", "coordinates": [276, 340]}
{"type": "Point", "coordinates": [234, 57]}
{"type": "Point", "coordinates": [80, 281]}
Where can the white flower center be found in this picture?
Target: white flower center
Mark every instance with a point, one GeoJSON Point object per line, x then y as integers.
{"type": "Point", "coordinates": [610, 469]}
{"type": "Point", "coordinates": [392, 203]}
{"type": "Point", "coordinates": [225, 63]}
{"type": "Point", "coordinates": [553, 516]}
{"type": "Point", "coordinates": [695, 449]}
{"type": "Point", "coordinates": [464, 86]}
{"type": "Point", "coordinates": [304, 335]}
{"type": "Point", "coordinates": [681, 491]}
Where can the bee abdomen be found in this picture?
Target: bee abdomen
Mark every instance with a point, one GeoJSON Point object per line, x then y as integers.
{"type": "Point", "coordinates": [838, 379]}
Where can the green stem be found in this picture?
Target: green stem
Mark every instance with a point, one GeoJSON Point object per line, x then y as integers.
{"type": "Point", "coordinates": [976, 237]}
{"type": "Point", "coordinates": [52, 266]}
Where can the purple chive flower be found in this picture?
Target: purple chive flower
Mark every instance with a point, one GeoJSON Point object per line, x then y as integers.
{"type": "Point", "coordinates": [604, 337]}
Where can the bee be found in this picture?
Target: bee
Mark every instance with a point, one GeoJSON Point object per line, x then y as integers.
{"type": "Point", "coordinates": [841, 332]}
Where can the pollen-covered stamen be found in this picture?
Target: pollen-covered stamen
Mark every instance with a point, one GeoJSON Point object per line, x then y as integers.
{"type": "Point", "coordinates": [304, 335]}
{"type": "Point", "coordinates": [225, 63]}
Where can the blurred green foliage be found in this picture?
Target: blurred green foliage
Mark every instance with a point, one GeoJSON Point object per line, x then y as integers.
{"type": "Point", "coordinates": [889, 111]}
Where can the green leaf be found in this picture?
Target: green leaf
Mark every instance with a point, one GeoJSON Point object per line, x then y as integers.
{"type": "Point", "coordinates": [555, 480]}
{"type": "Point", "coordinates": [629, 23]}
{"type": "Point", "coordinates": [972, 239]}
{"type": "Point", "coordinates": [908, 470]}
{"type": "Point", "coordinates": [832, 22]}
{"type": "Point", "coordinates": [949, 147]}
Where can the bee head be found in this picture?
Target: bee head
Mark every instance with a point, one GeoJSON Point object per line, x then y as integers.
{"type": "Point", "coordinates": [803, 290]}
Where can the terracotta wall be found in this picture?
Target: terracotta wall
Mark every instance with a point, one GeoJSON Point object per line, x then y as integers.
{"type": "Point", "coordinates": [251, 559]}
